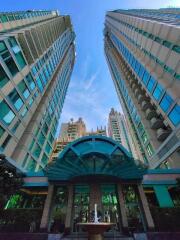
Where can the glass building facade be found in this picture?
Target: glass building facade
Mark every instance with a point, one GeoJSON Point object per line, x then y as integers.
{"type": "Point", "coordinates": [36, 60]}
{"type": "Point", "coordinates": [142, 51]}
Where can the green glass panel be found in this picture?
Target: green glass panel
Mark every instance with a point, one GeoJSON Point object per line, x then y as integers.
{"type": "Point", "coordinates": [6, 114]}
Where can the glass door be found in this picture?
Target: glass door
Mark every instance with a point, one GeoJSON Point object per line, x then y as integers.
{"type": "Point", "coordinates": [81, 206]}
{"type": "Point", "coordinates": [110, 209]}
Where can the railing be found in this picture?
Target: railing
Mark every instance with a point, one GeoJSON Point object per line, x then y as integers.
{"type": "Point", "coordinates": [20, 220]}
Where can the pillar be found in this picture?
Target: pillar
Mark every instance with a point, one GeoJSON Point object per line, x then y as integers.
{"type": "Point", "coordinates": [124, 219]}
{"type": "Point", "coordinates": [163, 196]}
{"type": "Point", "coordinates": [145, 207]}
{"type": "Point", "coordinates": [46, 211]}
{"type": "Point", "coordinates": [69, 209]}
{"type": "Point", "coordinates": [95, 197]}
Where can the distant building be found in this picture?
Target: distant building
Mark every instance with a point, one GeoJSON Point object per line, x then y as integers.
{"type": "Point", "coordinates": [142, 49]}
{"type": "Point", "coordinates": [37, 56]}
{"type": "Point", "coordinates": [72, 130]}
{"type": "Point", "coordinates": [119, 131]}
{"type": "Point", "coordinates": [100, 131]}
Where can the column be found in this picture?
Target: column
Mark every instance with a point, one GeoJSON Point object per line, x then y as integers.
{"type": "Point", "coordinates": [95, 197]}
{"type": "Point", "coordinates": [47, 207]}
{"type": "Point", "coordinates": [163, 196]}
{"type": "Point", "coordinates": [145, 207]}
{"type": "Point", "coordinates": [69, 209]}
{"type": "Point", "coordinates": [124, 219]}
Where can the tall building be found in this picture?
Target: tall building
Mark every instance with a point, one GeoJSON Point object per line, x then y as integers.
{"type": "Point", "coordinates": [72, 130]}
{"type": "Point", "coordinates": [142, 48]}
{"type": "Point", "coordinates": [118, 130]}
{"type": "Point", "coordinates": [36, 60]}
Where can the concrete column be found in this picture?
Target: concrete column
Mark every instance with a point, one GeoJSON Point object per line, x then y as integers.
{"type": "Point", "coordinates": [145, 207]}
{"type": "Point", "coordinates": [95, 197]}
{"type": "Point", "coordinates": [69, 209]}
{"type": "Point", "coordinates": [47, 207]}
{"type": "Point", "coordinates": [124, 219]}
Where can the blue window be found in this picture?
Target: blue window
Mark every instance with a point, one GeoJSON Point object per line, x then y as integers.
{"type": "Point", "coordinates": [23, 89]}
{"type": "Point", "coordinates": [174, 115]}
{"type": "Point", "coordinates": [30, 81]}
{"type": "Point", "coordinates": [141, 72]}
{"type": "Point", "coordinates": [146, 78]}
{"type": "Point", "coordinates": [39, 83]}
{"type": "Point", "coordinates": [3, 77]}
{"type": "Point", "coordinates": [16, 99]}
{"type": "Point", "coordinates": [6, 114]}
{"type": "Point", "coordinates": [166, 102]}
{"type": "Point", "coordinates": [151, 84]}
{"type": "Point", "coordinates": [158, 92]}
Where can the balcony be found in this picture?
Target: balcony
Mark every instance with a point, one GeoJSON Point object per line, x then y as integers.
{"type": "Point", "coordinates": [137, 91]}
{"type": "Point", "coordinates": [134, 86]}
{"type": "Point", "coordinates": [150, 114]}
{"type": "Point", "coordinates": [162, 134]}
{"type": "Point", "coordinates": [141, 98]}
{"type": "Point", "coordinates": [145, 104]}
{"type": "Point", "coordinates": [156, 123]}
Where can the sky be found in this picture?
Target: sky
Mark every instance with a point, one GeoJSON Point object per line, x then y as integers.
{"type": "Point", "coordinates": [91, 92]}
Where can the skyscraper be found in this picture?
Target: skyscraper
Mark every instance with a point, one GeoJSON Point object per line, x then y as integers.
{"type": "Point", "coordinates": [118, 130]}
{"type": "Point", "coordinates": [36, 61]}
{"type": "Point", "coordinates": [142, 49]}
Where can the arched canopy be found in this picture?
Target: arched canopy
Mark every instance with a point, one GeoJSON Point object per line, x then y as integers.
{"type": "Point", "coordinates": [94, 155]}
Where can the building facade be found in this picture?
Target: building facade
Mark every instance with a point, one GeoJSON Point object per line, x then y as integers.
{"type": "Point", "coordinates": [36, 60]}
{"type": "Point", "coordinates": [118, 130]}
{"type": "Point", "coordinates": [142, 49]}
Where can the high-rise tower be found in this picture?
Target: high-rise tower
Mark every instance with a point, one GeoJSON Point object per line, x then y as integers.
{"type": "Point", "coordinates": [142, 48]}
{"type": "Point", "coordinates": [119, 131]}
{"type": "Point", "coordinates": [36, 61]}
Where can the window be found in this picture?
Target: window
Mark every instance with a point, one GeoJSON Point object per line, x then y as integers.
{"type": "Point", "coordinates": [44, 159]}
{"type": "Point", "coordinates": [2, 131]}
{"type": "Point", "coordinates": [3, 77]}
{"type": "Point", "coordinates": [144, 138]}
{"type": "Point", "coordinates": [174, 115]}
{"type": "Point", "coordinates": [149, 149]}
{"type": "Point", "coordinates": [5, 54]}
{"type": "Point", "coordinates": [41, 138]}
{"type": "Point", "coordinates": [176, 48]}
{"type": "Point", "coordinates": [23, 89]}
{"type": "Point", "coordinates": [157, 39]}
{"type": "Point", "coordinates": [6, 141]}
{"type": "Point", "coordinates": [166, 102]}
{"type": "Point", "coordinates": [30, 81]}
{"type": "Point", "coordinates": [48, 148]}
{"type": "Point", "coordinates": [16, 125]}
{"type": "Point", "coordinates": [45, 128]}
{"type": "Point", "coordinates": [158, 92]}
{"type": "Point", "coordinates": [15, 99]}
{"type": "Point", "coordinates": [6, 114]}
{"type": "Point", "coordinates": [151, 84]}
{"type": "Point", "coordinates": [167, 44]}
{"type": "Point", "coordinates": [146, 77]}
{"type": "Point", "coordinates": [51, 138]}
{"type": "Point", "coordinates": [39, 83]}
{"type": "Point", "coordinates": [37, 150]}
{"type": "Point", "coordinates": [17, 52]}
{"type": "Point", "coordinates": [31, 164]}
{"type": "Point", "coordinates": [24, 112]}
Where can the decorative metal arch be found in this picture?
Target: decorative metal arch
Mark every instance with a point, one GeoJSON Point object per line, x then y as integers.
{"type": "Point", "coordinates": [94, 155]}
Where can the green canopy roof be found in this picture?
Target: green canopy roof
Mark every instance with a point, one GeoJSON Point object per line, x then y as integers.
{"type": "Point", "coordinates": [94, 155]}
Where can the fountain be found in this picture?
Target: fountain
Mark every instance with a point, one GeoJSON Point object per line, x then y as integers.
{"type": "Point", "coordinates": [96, 229]}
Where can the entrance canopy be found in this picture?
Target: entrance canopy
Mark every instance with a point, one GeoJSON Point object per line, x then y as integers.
{"type": "Point", "coordinates": [94, 155]}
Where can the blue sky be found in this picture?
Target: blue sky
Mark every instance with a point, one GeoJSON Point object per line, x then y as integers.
{"type": "Point", "coordinates": [91, 92]}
